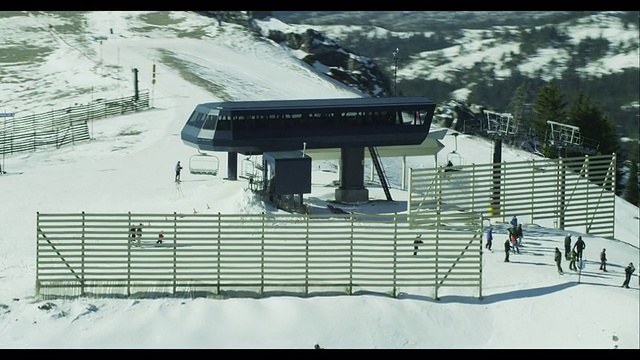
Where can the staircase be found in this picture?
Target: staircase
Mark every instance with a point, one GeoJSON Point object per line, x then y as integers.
{"type": "Point", "coordinates": [375, 159]}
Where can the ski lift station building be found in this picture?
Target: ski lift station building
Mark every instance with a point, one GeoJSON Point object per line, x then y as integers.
{"type": "Point", "coordinates": [320, 128]}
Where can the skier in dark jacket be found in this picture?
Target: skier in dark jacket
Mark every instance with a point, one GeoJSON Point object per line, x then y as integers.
{"type": "Point", "coordinates": [132, 234]}
{"type": "Point", "coordinates": [507, 249]}
{"type": "Point", "coordinates": [178, 169]}
{"type": "Point", "coordinates": [603, 260]}
{"type": "Point", "coordinates": [519, 234]}
{"type": "Point", "coordinates": [567, 246]}
{"type": "Point", "coordinates": [578, 247]}
{"type": "Point", "coordinates": [558, 258]}
{"type": "Point", "coordinates": [139, 233]}
{"type": "Point", "coordinates": [627, 274]}
{"type": "Point", "coordinates": [416, 242]}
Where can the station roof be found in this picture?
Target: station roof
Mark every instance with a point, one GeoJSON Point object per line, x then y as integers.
{"type": "Point", "coordinates": [409, 101]}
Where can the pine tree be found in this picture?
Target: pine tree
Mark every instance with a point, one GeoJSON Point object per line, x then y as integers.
{"type": "Point", "coordinates": [548, 105]}
{"type": "Point", "coordinates": [597, 128]}
{"type": "Point", "coordinates": [586, 115]}
{"type": "Point", "coordinates": [516, 105]}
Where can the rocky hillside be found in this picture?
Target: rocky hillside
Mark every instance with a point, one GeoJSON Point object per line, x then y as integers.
{"type": "Point", "coordinates": [484, 57]}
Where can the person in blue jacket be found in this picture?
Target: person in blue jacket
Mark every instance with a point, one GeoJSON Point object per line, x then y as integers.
{"type": "Point", "coordinates": [514, 222]}
{"type": "Point", "coordinates": [489, 239]}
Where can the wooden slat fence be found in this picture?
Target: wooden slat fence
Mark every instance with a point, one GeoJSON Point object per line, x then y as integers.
{"type": "Point", "coordinates": [82, 254]}
{"type": "Point", "coordinates": [61, 127]}
{"type": "Point", "coordinates": [573, 191]}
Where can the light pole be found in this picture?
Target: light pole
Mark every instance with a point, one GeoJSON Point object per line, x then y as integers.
{"type": "Point", "coordinates": [395, 71]}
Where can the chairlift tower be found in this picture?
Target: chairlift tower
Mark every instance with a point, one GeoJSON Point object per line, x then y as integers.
{"type": "Point", "coordinates": [562, 135]}
{"type": "Point", "coordinates": [502, 124]}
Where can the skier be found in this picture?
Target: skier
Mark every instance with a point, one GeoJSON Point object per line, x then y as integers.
{"type": "Point", "coordinates": [489, 239]}
{"type": "Point", "coordinates": [178, 168]}
{"type": "Point", "coordinates": [558, 258]}
{"type": "Point", "coordinates": [507, 248]}
{"type": "Point", "coordinates": [579, 246]}
{"type": "Point", "coordinates": [603, 260]}
{"type": "Point", "coordinates": [449, 166]}
{"type": "Point", "coordinates": [567, 246]}
{"type": "Point", "coordinates": [160, 237]}
{"type": "Point", "coordinates": [139, 233]}
{"type": "Point", "coordinates": [514, 222]}
{"type": "Point", "coordinates": [519, 234]}
{"type": "Point", "coordinates": [514, 242]}
{"type": "Point", "coordinates": [132, 234]}
{"type": "Point", "coordinates": [627, 274]}
{"type": "Point", "coordinates": [415, 244]}
{"type": "Point", "coordinates": [572, 261]}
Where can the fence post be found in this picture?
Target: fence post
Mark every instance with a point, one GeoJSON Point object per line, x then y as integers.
{"type": "Point", "coordinates": [613, 165]}
{"type": "Point", "coordinates": [587, 175]}
{"type": "Point", "coordinates": [306, 269]}
{"type": "Point", "coordinates": [533, 187]}
{"type": "Point", "coordinates": [351, 256]}
{"type": "Point", "coordinates": [219, 249]}
{"type": "Point", "coordinates": [395, 254]}
{"type": "Point", "coordinates": [262, 256]}
{"type": "Point", "coordinates": [481, 220]}
{"type": "Point", "coordinates": [82, 264]}
{"type": "Point", "coordinates": [129, 243]}
{"type": "Point", "coordinates": [37, 254]}
{"type": "Point", "coordinates": [473, 187]}
{"type": "Point", "coordinates": [437, 247]}
{"type": "Point", "coordinates": [175, 252]}
{"type": "Point", "coordinates": [560, 202]}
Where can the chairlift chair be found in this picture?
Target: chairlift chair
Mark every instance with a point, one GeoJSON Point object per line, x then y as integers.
{"type": "Point", "coordinates": [249, 168]}
{"type": "Point", "coordinates": [204, 164]}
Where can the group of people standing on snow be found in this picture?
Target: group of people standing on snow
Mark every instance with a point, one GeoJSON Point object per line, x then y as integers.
{"type": "Point", "coordinates": [514, 239]}
{"type": "Point", "coordinates": [575, 254]}
{"type": "Point", "coordinates": [572, 254]}
{"type": "Point", "coordinates": [135, 234]}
